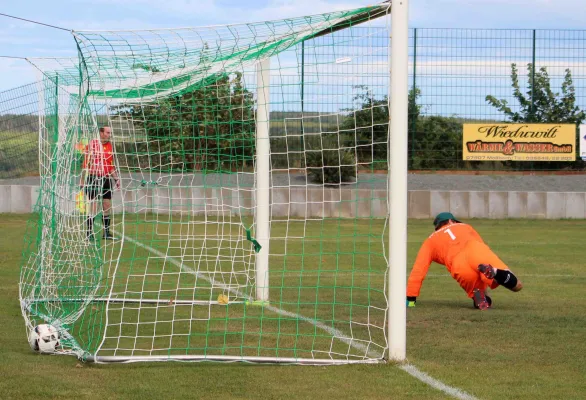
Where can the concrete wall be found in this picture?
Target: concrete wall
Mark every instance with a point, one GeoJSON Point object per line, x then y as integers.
{"type": "Point", "coordinates": [299, 202]}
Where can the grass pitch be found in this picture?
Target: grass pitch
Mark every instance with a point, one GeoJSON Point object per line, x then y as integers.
{"type": "Point", "coordinates": [531, 345]}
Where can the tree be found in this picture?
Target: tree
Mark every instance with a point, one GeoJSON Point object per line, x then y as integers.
{"type": "Point", "coordinates": [208, 127]}
{"type": "Point", "coordinates": [371, 124]}
{"type": "Point", "coordinates": [327, 163]}
{"type": "Point", "coordinates": [541, 105]}
{"type": "Point", "coordinates": [438, 143]}
{"type": "Point", "coordinates": [413, 112]}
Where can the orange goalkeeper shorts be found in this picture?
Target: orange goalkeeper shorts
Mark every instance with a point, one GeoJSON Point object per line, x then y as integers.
{"type": "Point", "coordinates": [465, 267]}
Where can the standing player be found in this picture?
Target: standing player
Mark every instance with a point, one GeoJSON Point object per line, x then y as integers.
{"type": "Point", "coordinates": [96, 178]}
{"type": "Point", "coordinates": [469, 260]}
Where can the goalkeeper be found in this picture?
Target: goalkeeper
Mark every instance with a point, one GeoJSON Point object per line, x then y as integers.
{"type": "Point", "coordinates": [469, 260]}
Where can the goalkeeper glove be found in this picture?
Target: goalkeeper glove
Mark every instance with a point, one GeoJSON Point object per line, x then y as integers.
{"type": "Point", "coordinates": [411, 300]}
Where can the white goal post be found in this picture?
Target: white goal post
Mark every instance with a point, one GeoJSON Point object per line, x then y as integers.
{"type": "Point", "coordinates": [398, 190]}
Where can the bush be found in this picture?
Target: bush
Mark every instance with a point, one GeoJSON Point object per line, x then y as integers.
{"type": "Point", "coordinates": [327, 163]}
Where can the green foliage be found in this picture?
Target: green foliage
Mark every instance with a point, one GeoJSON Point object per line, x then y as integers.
{"type": "Point", "coordinates": [434, 142]}
{"type": "Point", "coordinates": [208, 128]}
{"type": "Point", "coordinates": [328, 163]}
{"type": "Point", "coordinates": [437, 143]}
{"type": "Point", "coordinates": [540, 104]}
{"type": "Point", "coordinates": [414, 112]}
{"type": "Point", "coordinates": [371, 124]}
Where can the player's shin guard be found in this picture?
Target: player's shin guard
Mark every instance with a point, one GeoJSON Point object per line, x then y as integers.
{"type": "Point", "coordinates": [506, 278]}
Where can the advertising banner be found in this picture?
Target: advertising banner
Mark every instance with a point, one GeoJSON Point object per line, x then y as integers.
{"type": "Point", "coordinates": [519, 142]}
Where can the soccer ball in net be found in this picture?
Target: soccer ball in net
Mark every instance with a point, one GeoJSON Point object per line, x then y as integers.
{"type": "Point", "coordinates": [44, 338]}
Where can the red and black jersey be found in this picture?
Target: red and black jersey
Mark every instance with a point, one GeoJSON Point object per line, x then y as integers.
{"type": "Point", "coordinates": [99, 158]}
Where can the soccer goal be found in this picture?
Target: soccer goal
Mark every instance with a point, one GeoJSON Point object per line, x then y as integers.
{"type": "Point", "coordinates": [252, 220]}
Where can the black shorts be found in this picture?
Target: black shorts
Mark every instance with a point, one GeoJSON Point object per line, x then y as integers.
{"type": "Point", "coordinates": [98, 186]}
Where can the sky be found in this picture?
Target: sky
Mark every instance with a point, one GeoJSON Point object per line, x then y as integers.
{"type": "Point", "coordinates": [23, 39]}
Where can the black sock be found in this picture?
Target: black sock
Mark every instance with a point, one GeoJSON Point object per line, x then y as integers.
{"type": "Point", "coordinates": [106, 219]}
{"type": "Point", "coordinates": [90, 225]}
{"type": "Point", "coordinates": [505, 278]}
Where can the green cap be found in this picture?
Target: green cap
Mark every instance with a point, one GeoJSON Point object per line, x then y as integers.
{"type": "Point", "coordinates": [443, 216]}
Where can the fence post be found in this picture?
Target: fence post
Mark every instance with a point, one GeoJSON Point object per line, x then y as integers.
{"type": "Point", "coordinates": [533, 79]}
{"type": "Point", "coordinates": [533, 88]}
{"type": "Point", "coordinates": [413, 119]}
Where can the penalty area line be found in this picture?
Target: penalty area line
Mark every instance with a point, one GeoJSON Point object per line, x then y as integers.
{"type": "Point", "coordinates": [434, 383]}
{"type": "Point", "coordinates": [409, 368]}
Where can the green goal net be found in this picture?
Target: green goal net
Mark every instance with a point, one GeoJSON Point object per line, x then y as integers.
{"type": "Point", "coordinates": [250, 222]}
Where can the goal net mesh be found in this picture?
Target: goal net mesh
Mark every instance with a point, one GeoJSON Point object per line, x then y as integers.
{"type": "Point", "coordinates": [181, 278]}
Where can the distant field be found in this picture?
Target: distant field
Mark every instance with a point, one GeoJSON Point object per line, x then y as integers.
{"type": "Point", "coordinates": [19, 154]}
{"type": "Point", "coordinates": [530, 346]}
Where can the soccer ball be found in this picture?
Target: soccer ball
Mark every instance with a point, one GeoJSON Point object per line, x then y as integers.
{"type": "Point", "coordinates": [44, 339]}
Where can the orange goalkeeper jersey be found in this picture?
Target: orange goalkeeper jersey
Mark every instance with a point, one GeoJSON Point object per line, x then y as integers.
{"type": "Point", "coordinates": [440, 247]}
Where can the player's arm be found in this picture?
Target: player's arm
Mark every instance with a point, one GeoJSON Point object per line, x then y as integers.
{"type": "Point", "coordinates": [419, 272]}
{"type": "Point", "coordinates": [115, 174]}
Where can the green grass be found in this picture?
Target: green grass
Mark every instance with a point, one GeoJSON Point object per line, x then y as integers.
{"type": "Point", "coordinates": [531, 345]}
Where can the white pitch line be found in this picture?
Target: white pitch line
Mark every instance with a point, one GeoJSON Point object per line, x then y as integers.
{"type": "Point", "coordinates": [410, 369]}
{"type": "Point", "coordinates": [425, 378]}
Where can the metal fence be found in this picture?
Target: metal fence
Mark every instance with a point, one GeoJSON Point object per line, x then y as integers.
{"type": "Point", "coordinates": [452, 71]}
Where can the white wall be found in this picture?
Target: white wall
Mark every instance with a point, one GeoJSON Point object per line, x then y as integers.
{"type": "Point", "coordinates": [330, 202]}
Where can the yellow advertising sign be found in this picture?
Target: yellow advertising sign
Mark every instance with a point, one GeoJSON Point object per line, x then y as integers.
{"type": "Point", "coordinates": [519, 142]}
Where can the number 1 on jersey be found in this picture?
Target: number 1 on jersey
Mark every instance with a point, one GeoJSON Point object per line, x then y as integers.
{"type": "Point", "coordinates": [449, 232]}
